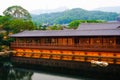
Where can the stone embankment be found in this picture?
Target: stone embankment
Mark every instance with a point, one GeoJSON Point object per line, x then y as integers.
{"type": "Point", "coordinates": [6, 53]}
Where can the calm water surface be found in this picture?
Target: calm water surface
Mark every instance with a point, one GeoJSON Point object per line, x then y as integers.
{"type": "Point", "coordinates": [10, 73]}
{"type": "Point", "coordinates": [25, 74]}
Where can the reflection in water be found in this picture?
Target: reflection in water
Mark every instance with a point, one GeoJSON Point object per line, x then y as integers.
{"type": "Point", "coordinates": [44, 76]}
{"type": "Point", "coordinates": [22, 74]}
{"type": "Point", "coordinates": [9, 73]}
{"type": "Point", "coordinates": [19, 75]}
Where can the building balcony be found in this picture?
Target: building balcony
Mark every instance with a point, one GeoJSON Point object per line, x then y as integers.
{"type": "Point", "coordinates": [87, 47]}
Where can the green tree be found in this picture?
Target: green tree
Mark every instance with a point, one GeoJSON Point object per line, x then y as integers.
{"type": "Point", "coordinates": [17, 12]}
{"type": "Point", "coordinates": [3, 19]}
{"type": "Point", "coordinates": [40, 27]}
{"type": "Point", "coordinates": [55, 27]}
{"type": "Point", "coordinates": [74, 24]}
{"type": "Point", "coordinates": [18, 25]}
{"type": "Point", "coordinates": [16, 19]}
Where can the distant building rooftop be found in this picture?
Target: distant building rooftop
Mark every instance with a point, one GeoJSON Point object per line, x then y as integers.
{"type": "Point", "coordinates": [94, 26]}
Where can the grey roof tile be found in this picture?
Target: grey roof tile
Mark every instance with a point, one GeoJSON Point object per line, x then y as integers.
{"type": "Point", "coordinates": [103, 29]}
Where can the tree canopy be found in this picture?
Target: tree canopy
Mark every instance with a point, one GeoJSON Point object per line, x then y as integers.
{"type": "Point", "coordinates": [17, 12]}
{"type": "Point", "coordinates": [55, 27]}
{"type": "Point", "coordinates": [18, 25]}
{"type": "Point", "coordinates": [75, 23]}
{"type": "Point", "coordinates": [16, 19]}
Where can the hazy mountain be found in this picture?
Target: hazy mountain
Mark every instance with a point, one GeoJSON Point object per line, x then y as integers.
{"type": "Point", "coordinates": [40, 11]}
{"type": "Point", "coordinates": [73, 14]}
{"type": "Point", "coordinates": [109, 9]}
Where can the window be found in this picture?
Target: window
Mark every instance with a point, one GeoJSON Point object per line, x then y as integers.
{"type": "Point", "coordinates": [20, 40]}
{"type": "Point", "coordinates": [108, 40]}
{"type": "Point", "coordinates": [70, 41]}
{"type": "Point", "coordinates": [54, 41]}
{"type": "Point", "coordinates": [37, 41]}
{"type": "Point", "coordinates": [84, 41]}
{"type": "Point", "coordinates": [118, 41]}
{"type": "Point", "coordinates": [29, 41]}
{"type": "Point", "coordinates": [96, 40]}
{"type": "Point", "coordinates": [76, 40]}
{"type": "Point", "coordinates": [48, 40]}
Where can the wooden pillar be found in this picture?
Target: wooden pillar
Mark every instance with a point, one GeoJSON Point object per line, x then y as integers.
{"type": "Point", "coordinates": [115, 42]}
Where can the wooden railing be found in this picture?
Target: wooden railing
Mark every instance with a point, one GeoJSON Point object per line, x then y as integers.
{"type": "Point", "coordinates": [114, 59]}
{"type": "Point", "coordinates": [71, 47]}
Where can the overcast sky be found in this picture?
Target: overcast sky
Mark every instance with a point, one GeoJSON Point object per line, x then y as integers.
{"type": "Point", "coordinates": [53, 4]}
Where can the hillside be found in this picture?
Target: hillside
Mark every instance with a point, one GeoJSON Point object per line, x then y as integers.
{"type": "Point", "coordinates": [73, 14]}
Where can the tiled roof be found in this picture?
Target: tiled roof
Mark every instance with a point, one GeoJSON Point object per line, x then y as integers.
{"type": "Point", "coordinates": [94, 26]}
{"type": "Point", "coordinates": [107, 29]}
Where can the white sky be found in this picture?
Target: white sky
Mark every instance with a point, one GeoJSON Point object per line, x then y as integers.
{"type": "Point", "coordinates": [53, 4]}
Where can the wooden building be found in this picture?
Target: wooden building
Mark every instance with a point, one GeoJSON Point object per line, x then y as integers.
{"type": "Point", "coordinates": [67, 48]}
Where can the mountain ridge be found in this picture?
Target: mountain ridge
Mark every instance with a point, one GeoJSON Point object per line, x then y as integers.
{"type": "Point", "coordinates": [67, 16]}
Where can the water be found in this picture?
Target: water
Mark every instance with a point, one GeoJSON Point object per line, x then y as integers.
{"type": "Point", "coordinates": [24, 74]}
{"type": "Point", "coordinates": [15, 73]}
